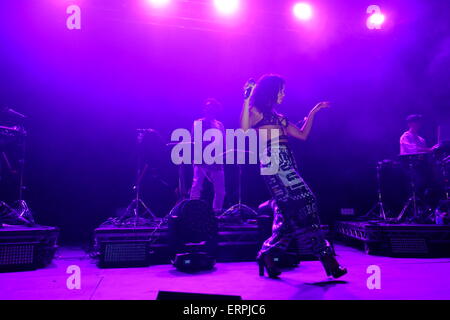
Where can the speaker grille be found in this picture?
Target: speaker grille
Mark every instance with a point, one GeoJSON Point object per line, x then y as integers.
{"type": "Point", "coordinates": [408, 245]}
{"type": "Point", "coordinates": [125, 252]}
{"type": "Point", "coordinates": [16, 254]}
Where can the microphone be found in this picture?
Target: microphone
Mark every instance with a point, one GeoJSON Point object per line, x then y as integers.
{"type": "Point", "coordinates": [249, 87]}
{"type": "Point", "coordinates": [13, 112]}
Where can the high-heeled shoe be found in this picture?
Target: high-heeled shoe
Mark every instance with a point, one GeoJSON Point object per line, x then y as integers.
{"type": "Point", "coordinates": [266, 262]}
{"type": "Point", "coordinates": [332, 266]}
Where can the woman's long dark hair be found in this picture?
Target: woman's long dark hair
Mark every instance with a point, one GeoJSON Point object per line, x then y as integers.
{"type": "Point", "coordinates": [265, 94]}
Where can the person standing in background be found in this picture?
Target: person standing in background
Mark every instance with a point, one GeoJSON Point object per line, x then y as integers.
{"type": "Point", "coordinates": [213, 172]}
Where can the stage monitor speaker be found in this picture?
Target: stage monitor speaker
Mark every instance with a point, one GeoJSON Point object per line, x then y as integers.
{"type": "Point", "coordinates": [27, 248]}
{"type": "Point", "coordinates": [193, 262]}
{"type": "Point", "coordinates": [193, 222]}
{"type": "Point", "coordinates": [174, 295]}
{"type": "Point", "coordinates": [121, 254]}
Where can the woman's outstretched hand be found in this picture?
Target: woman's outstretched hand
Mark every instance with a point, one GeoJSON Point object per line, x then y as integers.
{"type": "Point", "coordinates": [320, 106]}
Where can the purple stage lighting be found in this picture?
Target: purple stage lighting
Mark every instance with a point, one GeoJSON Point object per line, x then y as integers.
{"type": "Point", "coordinates": [226, 6]}
{"type": "Point", "coordinates": [376, 18]}
{"type": "Point", "coordinates": [159, 3]}
{"type": "Point", "coordinates": [302, 11]}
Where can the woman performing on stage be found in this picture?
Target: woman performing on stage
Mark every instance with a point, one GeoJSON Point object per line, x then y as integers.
{"type": "Point", "coordinates": [296, 216]}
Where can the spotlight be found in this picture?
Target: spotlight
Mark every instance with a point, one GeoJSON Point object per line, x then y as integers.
{"type": "Point", "coordinates": [159, 3]}
{"type": "Point", "coordinates": [226, 6]}
{"type": "Point", "coordinates": [376, 18]}
{"type": "Point", "coordinates": [302, 11]}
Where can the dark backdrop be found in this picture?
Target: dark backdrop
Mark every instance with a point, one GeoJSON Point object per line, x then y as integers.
{"type": "Point", "coordinates": [85, 91]}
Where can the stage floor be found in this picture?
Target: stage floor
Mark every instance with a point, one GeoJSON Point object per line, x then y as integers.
{"type": "Point", "coordinates": [401, 278]}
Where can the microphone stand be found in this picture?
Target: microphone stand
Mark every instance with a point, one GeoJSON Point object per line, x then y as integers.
{"type": "Point", "coordinates": [134, 213]}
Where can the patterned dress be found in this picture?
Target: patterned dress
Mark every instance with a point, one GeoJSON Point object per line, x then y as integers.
{"type": "Point", "coordinates": [296, 217]}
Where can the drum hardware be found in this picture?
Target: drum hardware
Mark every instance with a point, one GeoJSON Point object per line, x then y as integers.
{"type": "Point", "coordinates": [12, 131]}
{"type": "Point", "coordinates": [133, 214]}
{"type": "Point", "coordinates": [441, 153]}
{"type": "Point", "coordinates": [378, 210]}
{"type": "Point", "coordinates": [10, 135]}
{"type": "Point", "coordinates": [239, 211]}
{"type": "Point", "coordinates": [21, 212]}
{"type": "Point", "coordinates": [442, 147]}
{"type": "Point", "coordinates": [446, 174]}
{"type": "Point", "coordinates": [427, 180]}
{"type": "Point", "coordinates": [414, 204]}
{"type": "Point", "coordinates": [12, 112]}
{"type": "Point", "coordinates": [8, 164]}
{"type": "Point", "coordinates": [442, 213]}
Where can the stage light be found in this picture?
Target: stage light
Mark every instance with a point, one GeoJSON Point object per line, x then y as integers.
{"type": "Point", "coordinates": [376, 18]}
{"type": "Point", "coordinates": [226, 6]}
{"type": "Point", "coordinates": [159, 3]}
{"type": "Point", "coordinates": [302, 11]}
